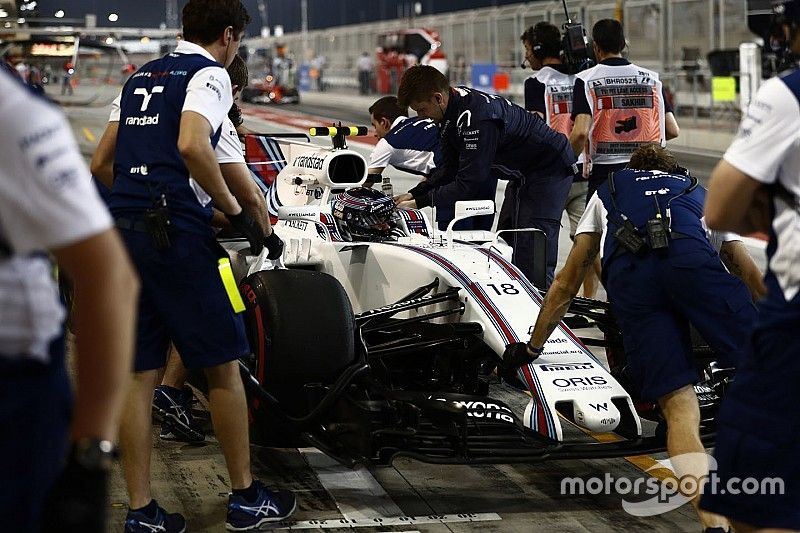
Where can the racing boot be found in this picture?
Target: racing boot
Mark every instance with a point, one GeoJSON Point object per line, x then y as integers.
{"type": "Point", "coordinates": [265, 506]}
{"type": "Point", "coordinates": [153, 518]}
{"type": "Point", "coordinates": [174, 408]}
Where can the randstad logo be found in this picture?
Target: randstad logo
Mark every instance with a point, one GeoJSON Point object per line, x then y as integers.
{"type": "Point", "coordinates": [143, 121]}
{"type": "Point", "coordinates": [671, 484]}
{"type": "Point", "coordinates": [139, 170]}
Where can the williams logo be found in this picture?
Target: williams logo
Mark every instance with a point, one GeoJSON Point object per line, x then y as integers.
{"type": "Point", "coordinates": [309, 161]}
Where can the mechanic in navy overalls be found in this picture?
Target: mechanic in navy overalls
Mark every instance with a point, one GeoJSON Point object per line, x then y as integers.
{"type": "Point", "coordinates": [756, 187]}
{"type": "Point", "coordinates": [166, 177]}
{"type": "Point", "coordinates": [662, 274]}
{"type": "Point", "coordinates": [411, 144]}
{"type": "Point", "coordinates": [485, 135]}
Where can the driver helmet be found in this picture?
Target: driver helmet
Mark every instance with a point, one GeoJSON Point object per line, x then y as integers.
{"type": "Point", "coordinates": [366, 214]}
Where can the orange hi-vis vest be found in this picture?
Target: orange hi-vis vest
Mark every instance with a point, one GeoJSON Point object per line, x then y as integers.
{"type": "Point", "coordinates": [558, 100]}
{"type": "Point", "coordinates": [627, 112]}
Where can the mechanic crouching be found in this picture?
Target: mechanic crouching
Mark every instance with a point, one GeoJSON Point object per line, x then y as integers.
{"type": "Point", "coordinates": [662, 274]}
{"type": "Point", "coordinates": [482, 136]}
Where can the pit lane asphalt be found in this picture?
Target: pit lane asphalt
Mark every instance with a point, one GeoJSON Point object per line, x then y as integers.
{"type": "Point", "coordinates": [192, 479]}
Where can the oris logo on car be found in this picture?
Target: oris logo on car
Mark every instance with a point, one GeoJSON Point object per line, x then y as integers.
{"type": "Point", "coordinates": [580, 382]}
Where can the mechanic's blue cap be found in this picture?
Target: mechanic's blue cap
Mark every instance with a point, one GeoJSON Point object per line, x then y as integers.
{"type": "Point", "coordinates": [789, 10]}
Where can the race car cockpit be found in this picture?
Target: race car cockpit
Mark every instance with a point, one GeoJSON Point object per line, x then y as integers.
{"type": "Point", "coordinates": [364, 214]}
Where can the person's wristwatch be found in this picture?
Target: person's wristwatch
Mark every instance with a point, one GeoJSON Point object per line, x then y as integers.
{"type": "Point", "coordinates": [535, 352]}
{"type": "Point", "coordinates": [93, 454]}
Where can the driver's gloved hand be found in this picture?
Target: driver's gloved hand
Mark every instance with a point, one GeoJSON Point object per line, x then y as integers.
{"type": "Point", "coordinates": [250, 228]}
{"type": "Point", "coordinates": [274, 246]}
{"type": "Point", "coordinates": [515, 355]}
{"type": "Point", "coordinates": [78, 501]}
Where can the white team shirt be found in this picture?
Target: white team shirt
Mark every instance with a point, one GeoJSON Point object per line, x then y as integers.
{"type": "Point", "coordinates": [594, 221]}
{"type": "Point", "coordinates": [206, 102]}
{"type": "Point", "coordinates": [384, 154]}
{"type": "Point", "coordinates": [200, 98]}
{"type": "Point", "coordinates": [47, 200]}
{"type": "Point", "coordinates": [767, 148]}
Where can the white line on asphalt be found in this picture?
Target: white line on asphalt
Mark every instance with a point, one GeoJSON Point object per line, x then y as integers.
{"type": "Point", "coordinates": [344, 523]}
{"type": "Point", "coordinates": [357, 493]}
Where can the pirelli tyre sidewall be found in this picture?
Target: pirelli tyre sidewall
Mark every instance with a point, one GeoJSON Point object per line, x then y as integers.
{"type": "Point", "coordinates": [301, 329]}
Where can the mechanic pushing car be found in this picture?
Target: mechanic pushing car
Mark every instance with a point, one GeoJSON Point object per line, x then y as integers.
{"type": "Point", "coordinates": [54, 464]}
{"type": "Point", "coordinates": [661, 274]}
{"type": "Point", "coordinates": [617, 106]}
{"type": "Point", "coordinates": [412, 145]}
{"type": "Point", "coordinates": [171, 113]}
{"type": "Point", "coordinates": [548, 92]}
{"type": "Point", "coordinates": [484, 135]}
{"type": "Point", "coordinates": [756, 186]}
{"type": "Point", "coordinates": [172, 401]}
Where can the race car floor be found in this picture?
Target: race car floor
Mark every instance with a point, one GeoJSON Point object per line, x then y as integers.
{"type": "Point", "coordinates": [408, 496]}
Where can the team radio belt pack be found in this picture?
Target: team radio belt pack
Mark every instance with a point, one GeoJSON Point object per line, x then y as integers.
{"type": "Point", "coordinates": [657, 228]}
{"type": "Point", "coordinates": [157, 224]}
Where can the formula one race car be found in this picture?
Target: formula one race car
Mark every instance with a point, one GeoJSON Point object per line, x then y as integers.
{"type": "Point", "coordinates": [268, 90]}
{"type": "Point", "coordinates": [373, 349]}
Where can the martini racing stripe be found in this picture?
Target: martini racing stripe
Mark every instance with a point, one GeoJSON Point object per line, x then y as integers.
{"type": "Point", "coordinates": [541, 417]}
{"type": "Point", "coordinates": [515, 274]}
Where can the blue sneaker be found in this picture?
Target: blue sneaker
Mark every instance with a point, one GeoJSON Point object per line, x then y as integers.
{"type": "Point", "coordinates": [174, 408]}
{"type": "Point", "coordinates": [269, 506]}
{"type": "Point", "coordinates": [162, 522]}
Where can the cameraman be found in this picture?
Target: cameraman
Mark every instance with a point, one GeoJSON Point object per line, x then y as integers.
{"type": "Point", "coordinates": [548, 93]}
{"type": "Point", "coordinates": [617, 106]}
{"type": "Point", "coordinates": [656, 293]}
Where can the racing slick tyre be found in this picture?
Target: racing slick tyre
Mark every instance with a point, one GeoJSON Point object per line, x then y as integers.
{"type": "Point", "coordinates": [302, 333]}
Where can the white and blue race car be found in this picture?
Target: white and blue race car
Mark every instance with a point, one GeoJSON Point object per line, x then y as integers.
{"type": "Point", "coordinates": [372, 350]}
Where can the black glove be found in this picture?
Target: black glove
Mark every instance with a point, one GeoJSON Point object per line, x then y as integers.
{"type": "Point", "coordinates": [274, 246]}
{"type": "Point", "coordinates": [250, 228]}
{"type": "Point", "coordinates": [78, 501]}
{"type": "Point", "coordinates": [515, 355]}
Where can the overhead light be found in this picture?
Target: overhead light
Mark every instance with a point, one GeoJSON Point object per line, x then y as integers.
{"type": "Point", "coordinates": [59, 14]}
{"type": "Point", "coordinates": [109, 40]}
{"type": "Point", "coordinates": [113, 17]}
{"type": "Point", "coordinates": [3, 13]}
{"type": "Point", "coordinates": [20, 20]}
{"type": "Point", "coordinates": [144, 40]}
